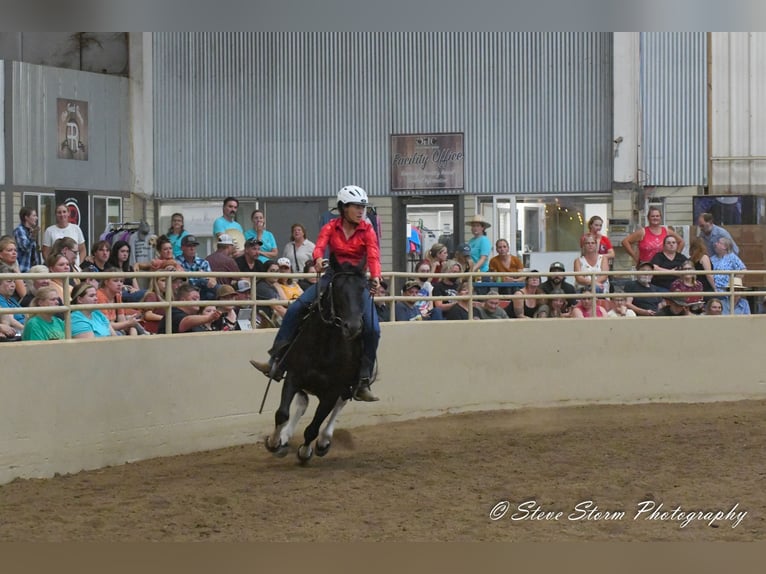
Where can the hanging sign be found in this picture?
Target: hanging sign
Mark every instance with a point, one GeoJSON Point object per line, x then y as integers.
{"type": "Point", "coordinates": [427, 161]}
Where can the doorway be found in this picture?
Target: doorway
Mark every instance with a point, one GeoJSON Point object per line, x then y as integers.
{"type": "Point", "coordinates": [421, 221]}
{"type": "Point", "coordinates": [282, 214]}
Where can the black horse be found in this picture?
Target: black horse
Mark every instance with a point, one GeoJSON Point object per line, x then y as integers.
{"type": "Point", "coordinates": [323, 360]}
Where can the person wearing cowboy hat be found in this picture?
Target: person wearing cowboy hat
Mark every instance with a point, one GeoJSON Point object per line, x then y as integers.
{"type": "Point", "coordinates": [228, 319]}
{"type": "Point", "coordinates": [481, 248]}
{"type": "Point", "coordinates": [674, 307]}
{"type": "Point", "coordinates": [479, 243]}
{"type": "Point", "coordinates": [741, 306]}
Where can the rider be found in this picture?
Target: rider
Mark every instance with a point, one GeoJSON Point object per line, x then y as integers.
{"type": "Point", "coordinates": [350, 238]}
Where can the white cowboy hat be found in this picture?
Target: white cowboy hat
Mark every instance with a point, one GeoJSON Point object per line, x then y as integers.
{"type": "Point", "coordinates": [738, 284]}
{"type": "Point", "coordinates": [478, 219]}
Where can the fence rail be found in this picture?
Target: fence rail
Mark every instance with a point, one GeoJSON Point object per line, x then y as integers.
{"type": "Point", "coordinates": [473, 279]}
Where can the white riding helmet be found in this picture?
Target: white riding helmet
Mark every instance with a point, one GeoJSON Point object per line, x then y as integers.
{"type": "Point", "coordinates": [352, 194]}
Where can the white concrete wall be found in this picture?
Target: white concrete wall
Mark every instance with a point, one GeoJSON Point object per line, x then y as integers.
{"type": "Point", "coordinates": [73, 405]}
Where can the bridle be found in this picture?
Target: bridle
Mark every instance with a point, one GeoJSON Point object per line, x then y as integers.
{"type": "Point", "coordinates": [332, 318]}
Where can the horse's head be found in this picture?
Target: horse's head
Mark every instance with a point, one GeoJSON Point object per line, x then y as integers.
{"type": "Point", "coordinates": [347, 296]}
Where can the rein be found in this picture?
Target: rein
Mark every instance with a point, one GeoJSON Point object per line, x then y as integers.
{"type": "Point", "coordinates": [332, 318]}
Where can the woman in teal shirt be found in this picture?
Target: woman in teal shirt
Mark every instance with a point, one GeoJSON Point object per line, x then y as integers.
{"type": "Point", "coordinates": [481, 248]}
{"type": "Point", "coordinates": [44, 326]}
{"type": "Point", "coordinates": [269, 249]}
{"type": "Point", "coordinates": [87, 324]}
{"type": "Point", "coordinates": [176, 233]}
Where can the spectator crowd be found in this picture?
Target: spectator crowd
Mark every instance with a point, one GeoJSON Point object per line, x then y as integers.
{"type": "Point", "coordinates": [697, 284]}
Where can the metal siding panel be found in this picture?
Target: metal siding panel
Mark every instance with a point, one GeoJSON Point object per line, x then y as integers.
{"type": "Point", "coordinates": [674, 102]}
{"type": "Point", "coordinates": [2, 127]}
{"type": "Point", "coordinates": [300, 114]}
{"type": "Point", "coordinates": [739, 119]}
{"type": "Point", "coordinates": [757, 76]}
{"type": "Point", "coordinates": [35, 90]}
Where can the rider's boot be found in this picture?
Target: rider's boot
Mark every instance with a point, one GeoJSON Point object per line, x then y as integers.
{"type": "Point", "coordinates": [363, 391]}
{"type": "Point", "coordinates": [273, 368]}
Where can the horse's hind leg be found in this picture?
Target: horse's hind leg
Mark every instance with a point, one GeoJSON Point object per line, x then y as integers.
{"type": "Point", "coordinates": [325, 435]}
{"type": "Point", "coordinates": [326, 404]}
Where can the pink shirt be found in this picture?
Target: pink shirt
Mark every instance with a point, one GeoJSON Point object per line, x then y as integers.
{"type": "Point", "coordinates": [600, 312]}
{"type": "Point", "coordinates": [651, 244]}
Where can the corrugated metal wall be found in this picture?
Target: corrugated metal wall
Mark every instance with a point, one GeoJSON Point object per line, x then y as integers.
{"type": "Point", "coordinates": [674, 109]}
{"type": "Point", "coordinates": [2, 124]}
{"type": "Point", "coordinates": [738, 93]}
{"type": "Point", "coordinates": [300, 114]}
{"type": "Point", "coordinates": [35, 162]}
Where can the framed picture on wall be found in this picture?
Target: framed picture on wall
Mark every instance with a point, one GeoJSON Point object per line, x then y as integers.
{"type": "Point", "coordinates": [72, 118]}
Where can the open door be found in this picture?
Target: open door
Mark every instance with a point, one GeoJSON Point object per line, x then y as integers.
{"type": "Point", "coordinates": [421, 221]}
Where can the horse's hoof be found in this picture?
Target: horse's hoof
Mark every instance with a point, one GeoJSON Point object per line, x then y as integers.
{"type": "Point", "coordinates": [321, 451]}
{"type": "Point", "coordinates": [305, 452]}
{"type": "Point", "coordinates": [279, 450]}
{"type": "Point", "coordinates": [269, 447]}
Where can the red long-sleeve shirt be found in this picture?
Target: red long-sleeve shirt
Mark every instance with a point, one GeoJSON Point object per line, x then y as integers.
{"type": "Point", "coordinates": [362, 242]}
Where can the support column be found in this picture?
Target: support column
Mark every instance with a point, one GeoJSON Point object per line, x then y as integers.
{"type": "Point", "coordinates": [141, 123]}
{"type": "Point", "coordinates": [627, 136]}
{"type": "Point", "coordinates": [626, 119]}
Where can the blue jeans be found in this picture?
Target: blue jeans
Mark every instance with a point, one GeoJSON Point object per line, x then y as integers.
{"type": "Point", "coordinates": [128, 297]}
{"type": "Point", "coordinates": [291, 320]}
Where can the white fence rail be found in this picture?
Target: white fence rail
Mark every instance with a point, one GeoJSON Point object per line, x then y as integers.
{"type": "Point", "coordinates": [474, 281]}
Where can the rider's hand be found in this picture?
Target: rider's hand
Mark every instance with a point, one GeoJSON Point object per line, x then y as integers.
{"type": "Point", "coordinates": [320, 263]}
{"type": "Point", "coordinates": [374, 285]}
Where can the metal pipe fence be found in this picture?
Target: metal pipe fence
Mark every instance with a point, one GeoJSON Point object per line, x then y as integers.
{"type": "Point", "coordinates": [473, 280]}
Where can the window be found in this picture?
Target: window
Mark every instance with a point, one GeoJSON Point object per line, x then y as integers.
{"type": "Point", "coordinates": [105, 210]}
{"type": "Point", "coordinates": [431, 223]}
{"type": "Point", "coordinates": [543, 224]}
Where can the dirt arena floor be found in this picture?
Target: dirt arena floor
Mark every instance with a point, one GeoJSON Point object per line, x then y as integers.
{"type": "Point", "coordinates": [595, 472]}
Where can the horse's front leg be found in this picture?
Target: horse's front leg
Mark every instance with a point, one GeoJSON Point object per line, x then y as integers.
{"type": "Point", "coordinates": [326, 404]}
{"type": "Point", "coordinates": [282, 428]}
{"type": "Point", "coordinates": [325, 435]}
{"type": "Point", "coordinates": [301, 401]}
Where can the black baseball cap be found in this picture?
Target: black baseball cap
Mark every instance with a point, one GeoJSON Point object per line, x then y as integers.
{"type": "Point", "coordinates": [189, 240]}
{"type": "Point", "coordinates": [557, 266]}
{"type": "Point", "coordinates": [253, 241]}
